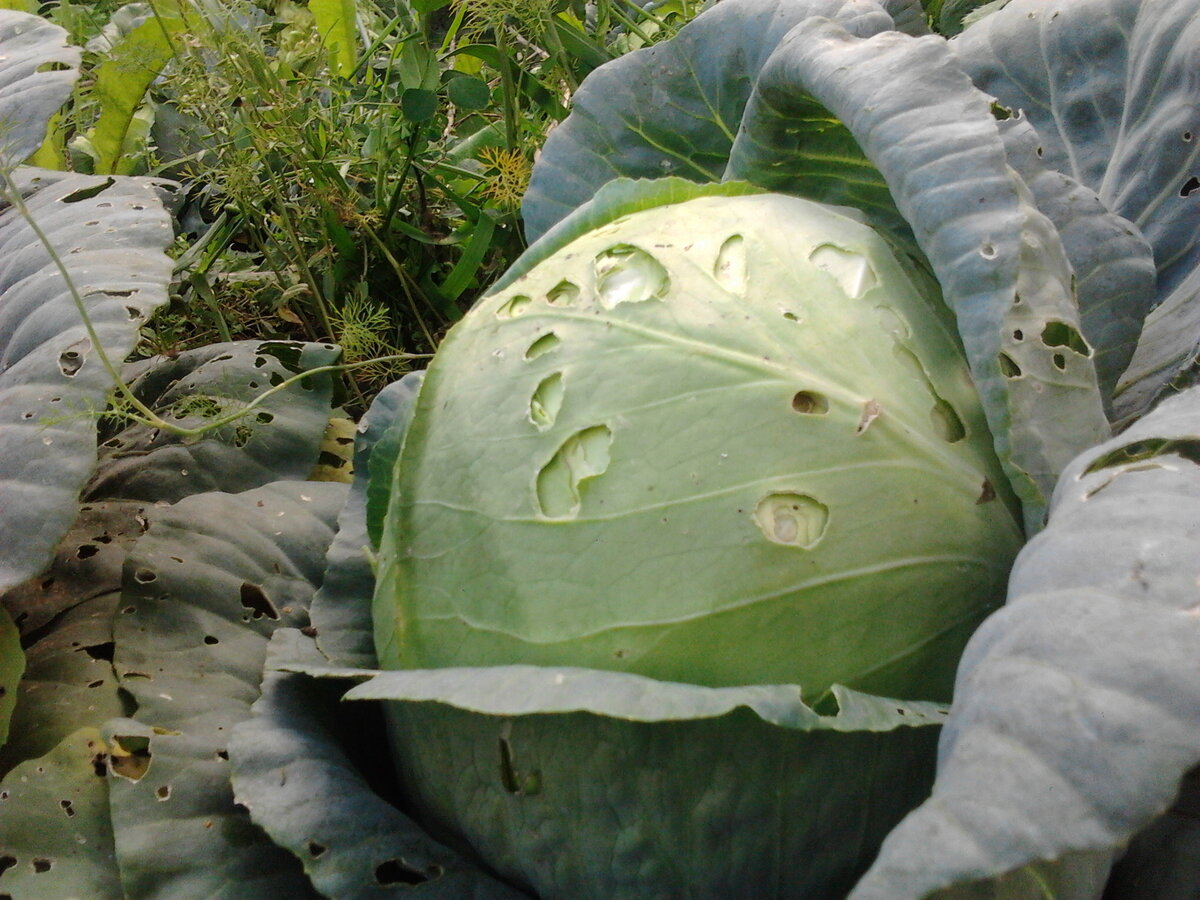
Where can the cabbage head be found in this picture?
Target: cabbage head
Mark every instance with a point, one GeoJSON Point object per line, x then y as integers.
{"type": "Point", "coordinates": [725, 441]}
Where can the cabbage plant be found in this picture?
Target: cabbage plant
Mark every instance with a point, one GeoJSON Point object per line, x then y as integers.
{"type": "Point", "coordinates": [966, 267]}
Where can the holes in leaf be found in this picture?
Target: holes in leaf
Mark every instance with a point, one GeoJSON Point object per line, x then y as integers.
{"type": "Point", "coordinates": [89, 192]}
{"type": "Point", "coordinates": [6, 863]}
{"type": "Point", "coordinates": [1190, 187]}
{"type": "Point", "coordinates": [42, 865]}
{"type": "Point", "coordinates": [71, 360]}
{"type": "Point", "coordinates": [988, 251]}
{"type": "Point", "coordinates": [730, 266]}
{"type": "Point", "coordinates": [397, 871]}
{"type": "Point", "coordinates": [628, 274]}
{"type": "Point", "coordinates": [1060, 362]}
{"type": "Point", "coordinates": [792, 519]}
{"type": "Point", "coordinates": [1140, 451]}
{"type": "Point", "coordinates": [1008, 366]}
{"type": "Point", "coordinates": [852, 271]}
{"type": "Point", "coordinates": [163, 792]}
{"type": "Point", "coordinates": [101, 652]}
{"type": "Point", "coordinates": [946, 422]}
{"type": "Point", "coordinates": [130, 757]}
{"type": "Point", "coordinates": [565, 293]}
{"type": "Point", "coordinates": [791, 316]}
{"type": "Point", "coordinates": [67, 807]}
{"type": "Point", "coordinates": [543, 345]}
{"type": "Point", "coordinates": [86, 551]}
{"type": "Point", "coordinates": [583, 455]}
{"type": "Point", "coordinates": [1060, 334]}
{"type": "Point", "coordinates": [987, 494]}
{"type": "Point", "coordinates": [1018, 335]}
{"type": "Point", "coordinates": [145, 576]}
{"type": "Point", "coordinates": [211, 640]}
{"type": "Point", "coordinates": [255, 599]}
{"type": "Point", "coordinates": [315, 850]}
{"type": "Point", "coordinates": [1000, 112]}
{"type": "Point", "coordinates": [810, 403]}
{"type": "Point", "coordinates": [546, 401]}
{"type": "Point", "coordinates": [514, 307]}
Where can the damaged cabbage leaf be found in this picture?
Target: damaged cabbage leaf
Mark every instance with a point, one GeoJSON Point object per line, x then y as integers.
{"type": "Point", "coordinates": [204, 589]}
{"type": "Point", "coordinates": [1077, 705]}
{"type": "Point", "coordinates": [1110, 87]}
{"type": "Point", "coordinates": [292, 767]}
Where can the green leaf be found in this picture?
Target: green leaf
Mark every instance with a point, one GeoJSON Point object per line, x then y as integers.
{"type": "Point", "coordinates": [337, 23]}
{"type": "Point", "coordinates": [418, 104]}
{"type": "Point", "coordinates": [386, 454]}
{"type": "Point", "coordinates": [469, 93]}
{"type": "Point", "coordinates": [37, 71]}
{"type": "Point", "coordinates": [473, 251]}
{"type": "Point", "coordinates": [69, 681]}
{"type": "Point", "coordinates": [204, 589]}
{"type": "Point", "coordinates": [352, 843]}
{"type": "Point", "coordinates": [569, 417]}
{"type": "Point", "coordinates": [56, 840]}
{"type": "Point", "coordinates": [341, 618]}
{"type": "Point", "coordinates": [12, 666]}
{"type": "Point", "coordinates": [590, 784]}
{"type": "Point", "coordinates": [279, 438]}
{"type": "Point", "coordinates": [122, 81]}
{"type": "Point", "coordinates": [1077, 707]}
{"type": "Point", "coordinates": [819, 99]}
{"type": "Point", "coordinates": [110, 234]}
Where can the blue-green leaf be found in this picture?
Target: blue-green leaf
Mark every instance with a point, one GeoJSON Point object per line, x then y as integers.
{"type": "Point", "coordinates": [1110, 87]}
{"type": "Point", "coordinates": [341, 611]}
{"type": "Point", "coordinates": [353, 844]}
{"type": "Point", "coordinates": [37, 72]}
{"type": "Point", "coordinates": [204, 588]}
{"type": "Point", "coordinates": [1077, 707]}
{"type": "Point", "coordinates": [109, 234]}
{"type": "Point", "coordinates": [278, 438]}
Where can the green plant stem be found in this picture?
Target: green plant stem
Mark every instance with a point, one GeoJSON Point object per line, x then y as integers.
{"type": "Point", "coordinates": [508, 90]}
{"type": "Point", "coordinates": [405, 283]}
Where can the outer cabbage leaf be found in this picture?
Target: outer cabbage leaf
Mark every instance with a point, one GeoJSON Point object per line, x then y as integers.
{"type": "Point", "coordinates": [278, 439]}
{"type": "Point", "coordinates": [69, 682]}
{"type": "Point", "coordinates": [110, 235]}
{"type": "Point", "coordinates": [204, 589]}
{"type": "Point", "coordinates": [589, 784]}
{"type": "Point", "coordinates": [1077, 708]}
{"type": "Point", "coordinates": [30, 90]}
{"type": "Point", "coordinates": [1112, 88]}
{"type": "Point", "coordinates": [353, 844]}
{"type": "Point", "coordinates": [673, 108]}
{"type": "Point", "coordinates": [339, 614]}
{"type": "Point", "coordinates": [56, 840]}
